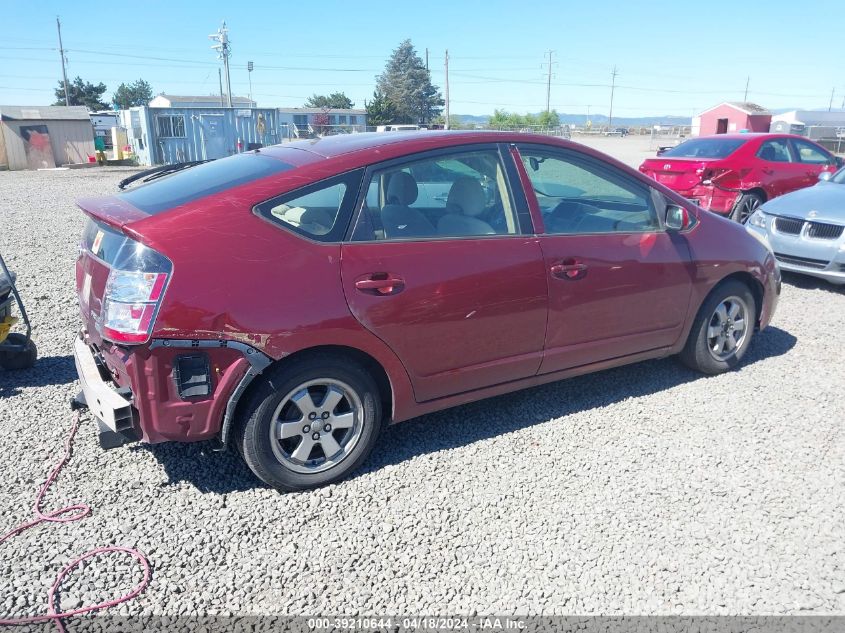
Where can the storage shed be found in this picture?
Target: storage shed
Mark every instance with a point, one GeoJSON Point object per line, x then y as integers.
{"type": "Point", "coordinates": [163, 136]}
{"type": "Point", "coordinates": [42, 137]}
{"type": "Point", "coordinates": [732, 116]}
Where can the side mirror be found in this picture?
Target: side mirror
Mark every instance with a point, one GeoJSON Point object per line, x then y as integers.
{"type": "Point", "coordinates": [677, 218]}
{"type": "Point", "coordinates": [825, 176]}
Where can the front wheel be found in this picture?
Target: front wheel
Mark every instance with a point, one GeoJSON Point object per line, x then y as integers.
{"type": "Point", "coordinates": [310, 423]}
{"type": "Point", "coordinates": [722, 330]}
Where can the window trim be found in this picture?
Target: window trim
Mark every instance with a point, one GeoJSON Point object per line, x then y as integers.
{"type": "Point", "coordinates": [564, 154]}
{"type": "Point", "coordinates": [505, 162]}
{"type": "Point", "coordinates": [171, 117]}
{"type": "Point", "coordinates": [352, 179]}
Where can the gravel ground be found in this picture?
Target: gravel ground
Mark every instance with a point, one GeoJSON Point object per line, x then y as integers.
{"type": "Point", "coordinates": [642, 490]}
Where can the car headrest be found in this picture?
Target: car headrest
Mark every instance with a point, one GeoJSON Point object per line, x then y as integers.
{"type": "Point", "coordinates": [466, 196]}
{"type": "Point", "coordinates": [402, 189]}
{"type": "Point", "coordinates": [768, 153]}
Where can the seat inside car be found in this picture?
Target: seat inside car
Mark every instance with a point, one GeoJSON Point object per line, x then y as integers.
{"type": "Point", "coordinates": [768, 153]}
{"type": "Point", "coordinates": [466, 201]}
{"type": "Point", "coordinates": [398, 218]}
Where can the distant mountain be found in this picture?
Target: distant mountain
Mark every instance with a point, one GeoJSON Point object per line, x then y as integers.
{"type": "Point", "coordinates": [596, 119]}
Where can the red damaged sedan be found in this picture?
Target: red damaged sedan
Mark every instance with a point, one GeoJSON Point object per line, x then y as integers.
{"type": "Point", "coordinates": [292, 301]}
{"type": "Point", "coordinates": [733, 174]}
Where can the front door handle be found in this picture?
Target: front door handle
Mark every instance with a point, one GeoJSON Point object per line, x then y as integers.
{"type": "Point", "coordinates": [380, 283]}
{"type": "Point", "coordinates": [569, 269]}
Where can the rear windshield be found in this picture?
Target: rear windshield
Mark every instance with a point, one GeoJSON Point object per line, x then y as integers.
{"type": "Point", "coordinates": [200, 181]}
{"type": "Point", "coordinates": [706, 148]}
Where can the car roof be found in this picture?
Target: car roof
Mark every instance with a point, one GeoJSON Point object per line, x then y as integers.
{"type": "Point", "coordinates": [749, 135]}
{"type": "Point", "coordinates": [337, 145]}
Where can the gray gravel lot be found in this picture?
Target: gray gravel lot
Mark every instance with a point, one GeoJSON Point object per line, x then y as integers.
{"type": "Point", "coordinates": [647, 489]}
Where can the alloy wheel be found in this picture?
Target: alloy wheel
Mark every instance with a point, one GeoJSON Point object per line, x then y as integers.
{"type": "Point", "coordinates": [749, 206]}
{"type": "Point", "coordinates": [316, 425]}
{"type": "Point", "coordinates": [728, 328]}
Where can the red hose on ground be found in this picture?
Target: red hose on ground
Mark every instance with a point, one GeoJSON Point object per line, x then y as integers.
{"type": "Point", "coordinates": [66, 515]}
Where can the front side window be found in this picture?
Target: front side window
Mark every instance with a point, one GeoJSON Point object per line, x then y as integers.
{"type": "Point", "coordinates": [809, 153]}
{"type": "Point", "coordinates": [775, 151]}
{"type": "Point", "coordinates": [171, 125]}
{"type": "Point", "coordinates": [579, 195]}
{"type": "Point", "coordinates": [319, 212]}
{"type": "Point", "coordinates": [450, 195]}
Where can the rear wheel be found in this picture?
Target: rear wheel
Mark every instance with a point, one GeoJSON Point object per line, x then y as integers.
{"type": "Point", "coordinates": [24, 359]}
{"type": "Point", "coordinates": [745, 206]}
{"type": "Point", "coordinates": [310, 423]}
{"type": "Point", "coordinates": [722, 330]}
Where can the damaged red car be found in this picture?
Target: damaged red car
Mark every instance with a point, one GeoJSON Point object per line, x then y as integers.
{"type": "Point", "coordinates": [294, 300]}
{"type": "Point", "coordinates": [733, 174]}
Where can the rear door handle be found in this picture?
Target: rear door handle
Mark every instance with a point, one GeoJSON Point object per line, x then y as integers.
{"type": "Point", "coordinates": [380, 284]}
{"type": "Point", "coordinates": [569, 269]}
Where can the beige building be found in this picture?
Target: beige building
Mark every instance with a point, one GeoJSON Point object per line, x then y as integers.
{"type": "Point", "coordinates": [42, 137]}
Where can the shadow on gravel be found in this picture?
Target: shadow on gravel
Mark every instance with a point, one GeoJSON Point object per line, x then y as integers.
{"type": "Point", "coordinates": [805, 282]}
{"type": "Point", "coordinates": [49, 370]}
{"type": "Point", "coordinates": [225, 472]}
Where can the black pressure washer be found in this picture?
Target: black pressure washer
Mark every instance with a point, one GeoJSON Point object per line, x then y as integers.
{"type": "Point", "coordinates": [17, 350]}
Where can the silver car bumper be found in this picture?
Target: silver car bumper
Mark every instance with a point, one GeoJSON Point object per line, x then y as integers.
{"type": "Point", "coordinates": [822, 258]}
{"type": "Point", "coordinates": [109, 407]}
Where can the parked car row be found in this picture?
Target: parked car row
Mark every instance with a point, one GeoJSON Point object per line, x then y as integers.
{"type": "Point", "coordinates": [293, 300]}
{"type": "Point", "coordinates": [785, 187]}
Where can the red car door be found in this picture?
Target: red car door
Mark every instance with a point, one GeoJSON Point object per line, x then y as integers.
{"type": "Point", "coordinates": [618, 283]}
{"type": "Point", "coordinates": [448, 280]}
{"type": "Point", "coordinates": [814, 159]}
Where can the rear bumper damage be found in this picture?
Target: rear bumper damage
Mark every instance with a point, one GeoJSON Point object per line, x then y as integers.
{"type": "Point", "coordinates": [167, 390]}
{"type": "Point", "coordinates": [712, 198]}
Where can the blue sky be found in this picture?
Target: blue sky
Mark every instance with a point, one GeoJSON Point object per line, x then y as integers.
{"type": "Point", "coordinates": [672, 57]}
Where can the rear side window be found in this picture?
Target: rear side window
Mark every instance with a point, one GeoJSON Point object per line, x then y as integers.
{"type": "Point", "coordinates": [320, 211]}
{"type": "Point", "coordinates": [203, 180]}
{"type": "Point", "coordinates": [705, 148]}
{"type": "Point", "coordinates": [775, 151]}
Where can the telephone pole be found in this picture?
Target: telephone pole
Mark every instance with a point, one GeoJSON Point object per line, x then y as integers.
{"type": "Point", "coordinates": [745, 96]}
{"type": "Point", "coordinates": [62, 53]}
{"type": "Point", "coordinates": [549, 84]}
{"type": "Point", "coordinates": [426, 57]}
{"type": "Point", "coordinates": [612, 90]}
{"type": "Point", "coordinates": [446, 125]}
{"type": "Point", "coordinates": [830, 105]}
{"type": "Point", "coordinates": [224, 51]}
{"type": "Point", "coordinates": [249, 67]}
{"type": "Point", "coordinates": [220, 79]}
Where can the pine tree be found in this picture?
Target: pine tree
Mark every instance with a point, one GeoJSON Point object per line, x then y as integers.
{"type": "Point", "coordinates": [406, 83]}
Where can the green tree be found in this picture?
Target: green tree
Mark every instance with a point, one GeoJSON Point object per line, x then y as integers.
{"type": "Point", "coordinates": [381, 110]}
{"type": "Point", "coordinates": [138, 93]}
{"type": "Point", "coordinates": [454, 122]}
{"type": "Point", "coordinates": [407, 84]}
{"type": "Point", "coordinates": [82, 93]}
{"type": "Point", "coordinates": [548, 119]}
{"type": "Point", "coordinates": [337, 100]}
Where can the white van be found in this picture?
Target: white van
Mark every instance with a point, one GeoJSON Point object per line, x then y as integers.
{"type": "Point", "coordinates": [399, 128]}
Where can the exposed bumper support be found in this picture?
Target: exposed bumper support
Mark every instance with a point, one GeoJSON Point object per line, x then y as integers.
{"type": "Point", "coordinates": [109, 407]}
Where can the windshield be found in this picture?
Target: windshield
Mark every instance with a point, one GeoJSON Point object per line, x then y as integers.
{"type": "Point", "coordinates": [705, 148]}
{"type": "Point", "coordinates": [202, 180]}
{"type": "Point", "coordinates": [839, 177]}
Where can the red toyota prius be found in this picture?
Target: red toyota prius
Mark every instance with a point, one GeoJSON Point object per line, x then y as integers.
{"type": "Point", "coordinates": [292, 301]}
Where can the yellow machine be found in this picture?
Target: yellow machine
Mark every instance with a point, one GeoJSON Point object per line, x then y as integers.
{"type": "Point", "coordinates": [17, 351]}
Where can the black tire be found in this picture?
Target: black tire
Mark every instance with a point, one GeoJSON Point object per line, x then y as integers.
{"type": "Point", "coordinates": [11, 361]}
{"type": "Point", "coordinates": [745, 206]}
{"type": "Point", "coordinates": [697, 353]}
{"type": "Point", "coordinates": [259, 416]}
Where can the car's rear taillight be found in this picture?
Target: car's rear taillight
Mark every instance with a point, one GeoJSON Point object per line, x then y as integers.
{"type": "Point", "coordinates": [133, 294]}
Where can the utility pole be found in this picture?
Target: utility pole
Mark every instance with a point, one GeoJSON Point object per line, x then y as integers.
{"type": "Point", "coordinates": [249, 68]}
{"type": "Point", "coordinates": [426, 57]}
{"type": "Point", "coordinates": [446, 125]}
{"type": "Point", "coordinates": [612, 90]}
{"type": "Point", "coordinates": [224, 51]}
{"type": "Point", "coordinates": [549, 84]}
{"type": "Point", "coordinates": [62, 53]}
{"type": "Point", "coordinates": [745, 96]}
{"type": "Point", "coordinates": [220, 79]}
{"type": "Point", "coordinates": [830, 105]}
